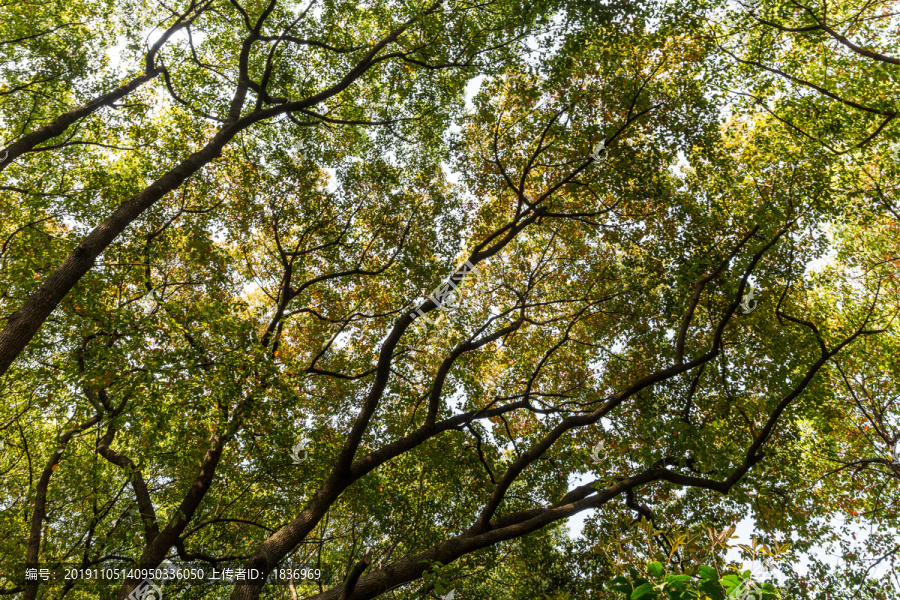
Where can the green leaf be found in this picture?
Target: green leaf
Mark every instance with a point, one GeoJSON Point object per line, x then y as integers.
{"type": "Point", "coordinates": [711, 589]}
{"type": "Point", "coordinates": [620, 584]}
{"type": "Point", "coordinates": [642, 591]}
{"type": "Point", "coordinates": [656, 569]}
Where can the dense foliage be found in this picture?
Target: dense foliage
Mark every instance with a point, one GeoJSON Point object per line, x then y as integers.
{"type": "Point", "coordinates": [392, 289]}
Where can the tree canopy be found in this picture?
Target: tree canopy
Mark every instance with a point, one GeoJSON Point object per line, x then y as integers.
{"type": "Point", "coordinates": [372, 297]}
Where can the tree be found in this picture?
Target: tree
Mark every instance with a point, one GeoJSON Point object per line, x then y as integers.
{"type": "Point", "coordinates": [298, 341]}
